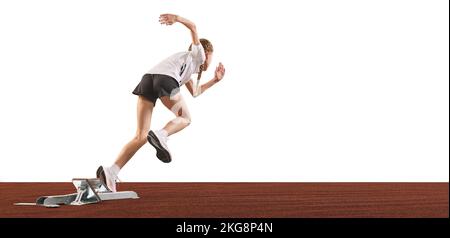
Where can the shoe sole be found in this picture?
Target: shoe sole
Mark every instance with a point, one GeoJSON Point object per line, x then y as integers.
{"type": "Point", "coordinates": [101, 175]}
{"type": "Point", "coordinates": [161, 153]}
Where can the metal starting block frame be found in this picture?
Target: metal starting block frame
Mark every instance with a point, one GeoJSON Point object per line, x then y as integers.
{"type": "Point", "coordinates": [88, 191]}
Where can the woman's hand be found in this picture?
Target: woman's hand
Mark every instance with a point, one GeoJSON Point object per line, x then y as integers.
{"type": "Point", "coordinates": [168, 19]}
{"type": "Point", "coordinates": [219, 73]}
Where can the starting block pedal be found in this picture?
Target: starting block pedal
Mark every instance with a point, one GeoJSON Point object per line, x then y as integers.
{"type": "Point", "coordinates": [88, 191]}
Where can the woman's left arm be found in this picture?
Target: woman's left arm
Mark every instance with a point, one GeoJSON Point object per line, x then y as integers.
{"type": "Point", "coordinates": [170, 19]}
{"type": "Point", "coordinates": [219, 73]}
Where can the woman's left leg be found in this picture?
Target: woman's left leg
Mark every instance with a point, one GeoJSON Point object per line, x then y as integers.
{"type": "Point", "coordinates": [144, 116]}
{"type": "Point", "coordinates": [108, 175]}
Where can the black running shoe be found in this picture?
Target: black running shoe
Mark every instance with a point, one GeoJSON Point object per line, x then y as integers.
{"type": "Point", "coordinates": [160, 144]}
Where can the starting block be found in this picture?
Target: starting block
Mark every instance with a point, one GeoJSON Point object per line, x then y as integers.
{"type": "Point", "coordinates": [88, 191]}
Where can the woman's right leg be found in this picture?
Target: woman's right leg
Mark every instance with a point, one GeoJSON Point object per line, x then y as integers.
{"type": "Point", "coordinates": [158, 139]}
{"type": "Point", "coordinates": [177, 105]}
{"type": "Point", "coordinates": [144, 116]}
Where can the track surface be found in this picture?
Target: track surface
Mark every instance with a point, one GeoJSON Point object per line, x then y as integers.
{"type": "Point", "coordinates": [241, 200]}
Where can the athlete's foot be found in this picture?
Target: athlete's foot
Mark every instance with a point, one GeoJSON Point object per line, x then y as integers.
{"type": "Point", "coordinates": [159, 141]}
{"type": "Point", "coordinates": [107, 177]}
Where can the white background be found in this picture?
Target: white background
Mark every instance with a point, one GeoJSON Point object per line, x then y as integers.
{"type": "Point", "coordinates": [314, 91]}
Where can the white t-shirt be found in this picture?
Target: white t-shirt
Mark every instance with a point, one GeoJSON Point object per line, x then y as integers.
{"type": "Point", "coordinates": [182, 65]}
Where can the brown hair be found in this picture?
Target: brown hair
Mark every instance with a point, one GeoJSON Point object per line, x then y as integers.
{"type": "Point", "coordinates": [207, 47]}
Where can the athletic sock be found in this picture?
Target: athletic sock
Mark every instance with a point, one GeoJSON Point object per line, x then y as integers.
{"type": "Point", "coordinates": [115, 169]}
{"type": "Point", "coordinates": [163, 133]}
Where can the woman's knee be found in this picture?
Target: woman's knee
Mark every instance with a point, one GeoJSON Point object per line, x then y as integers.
{"type": "Point", "coordinates": [188, 121]}
{"type": "Point", "coordinates": [140, 139]}
{"type": "Point", "coordinates": [186, 118]}
{"type": "Point", "coordinates": [182, 120]}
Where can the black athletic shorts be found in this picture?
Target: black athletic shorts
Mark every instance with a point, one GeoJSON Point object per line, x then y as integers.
{"type": "Point", "coordinates": [154, 86]}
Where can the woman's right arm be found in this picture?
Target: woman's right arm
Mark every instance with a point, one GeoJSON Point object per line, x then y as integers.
{"type": "Point", "coordinates": [169, 19]}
